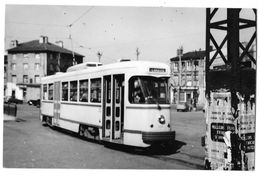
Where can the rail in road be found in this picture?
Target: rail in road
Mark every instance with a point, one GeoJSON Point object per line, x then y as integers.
{"type": "Point", "coordinates": [185, 162]}
{"type": "Point", "coordinates": [164, 154]}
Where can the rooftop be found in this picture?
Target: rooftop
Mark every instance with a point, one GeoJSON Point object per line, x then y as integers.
{"type": "Point", "coordinates": [191, 55]}
{"type": "Point", "coordinates": [36, 46]}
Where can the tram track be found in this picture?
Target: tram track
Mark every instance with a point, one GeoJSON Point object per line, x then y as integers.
{"type": "Point", "coordinates": [183, 162]}
{"type": "Point", "coordinates": [192, 156]}
{"type": "Point", "coordinates": [182, 158]}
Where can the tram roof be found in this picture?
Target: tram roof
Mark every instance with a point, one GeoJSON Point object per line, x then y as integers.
{"type": "Point", "coordinates": [141, 65]}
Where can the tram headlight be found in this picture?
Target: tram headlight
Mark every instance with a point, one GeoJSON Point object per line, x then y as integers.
{"type": "Point", "coordinates": [161, 119]}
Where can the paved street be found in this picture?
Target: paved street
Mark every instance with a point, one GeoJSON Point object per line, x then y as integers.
{"type": "Point", "coordinates": [27, 144]}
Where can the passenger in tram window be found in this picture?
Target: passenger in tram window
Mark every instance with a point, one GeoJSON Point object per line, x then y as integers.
{"type": "Point", "coordinates": [137, 94]}
{"type": "Point", "coordinates": [84, 97]}
{"type": "Point", "coordinates": [65, 96]}
{"type": "Point", "coordinates": [73, 96]}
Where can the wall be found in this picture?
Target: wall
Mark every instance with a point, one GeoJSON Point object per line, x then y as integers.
{"type": "Point", "coordinates": [187, 81]}
{"type": "Point", "coordinates": [31, 71]}
{"type": "Point", "coordinates": [33, 93]}
{"type": "Point", "coordinates": [12, 87]}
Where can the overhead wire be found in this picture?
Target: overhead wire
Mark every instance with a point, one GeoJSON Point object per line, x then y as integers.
{"type": "Point", "coordinates": [87, 11]}
{"type": "Point", "coordinates": [69, 28]}
{"type": "Point", "coordinates": [91, 50]}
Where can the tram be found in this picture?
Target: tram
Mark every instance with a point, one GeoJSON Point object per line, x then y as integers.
{"type": "Point", "coordinates": [125, 102]}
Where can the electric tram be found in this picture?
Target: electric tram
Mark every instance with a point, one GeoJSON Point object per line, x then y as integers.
{"type": "Point", "coordinates": [125, 102]}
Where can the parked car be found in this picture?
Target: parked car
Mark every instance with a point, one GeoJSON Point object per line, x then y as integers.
{"type": "Point", "coordinates": [34, 102]}
{"type": "Point", "coordinates": [183, 106]}
{"type": "Point", "coordinates": [13, 100]}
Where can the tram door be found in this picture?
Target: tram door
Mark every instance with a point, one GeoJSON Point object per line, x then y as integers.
{"type": "Point", "coordinates": [113, 106]}
{"type": "Point", "coordinates": [118, 106]}
{"type": "Point", "coordinates": [107, 107]}
{"type": "Point", "coordinates": [56, 103]}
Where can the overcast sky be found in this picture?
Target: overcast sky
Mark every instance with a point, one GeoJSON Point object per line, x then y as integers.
{"type": "Point", "coordinates": [115, 31]}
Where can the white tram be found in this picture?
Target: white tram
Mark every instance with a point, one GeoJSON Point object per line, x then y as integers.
{"type": "Point", "coordinates": [124, 102]}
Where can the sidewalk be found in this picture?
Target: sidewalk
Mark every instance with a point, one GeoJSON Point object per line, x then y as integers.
{"type": "Point", "coordinates": [9, 118]}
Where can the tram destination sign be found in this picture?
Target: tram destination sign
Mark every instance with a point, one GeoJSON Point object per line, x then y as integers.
{"type": "Point", "coordinates": [157, 70]}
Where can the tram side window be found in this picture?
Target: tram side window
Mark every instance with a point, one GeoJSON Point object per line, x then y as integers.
{"type": "Point", "coordinates": [44, 96]}
{"type": "Point", "coordinates": [73, 90]}
{"type": "Point", "coordinates": [95, 89]}
{"type": "Point", "coordinates": [50, 92]}
{"type": "Point", "coordinates": [64, 91]}
{"type": "Point", "coordinates": [83, 91]}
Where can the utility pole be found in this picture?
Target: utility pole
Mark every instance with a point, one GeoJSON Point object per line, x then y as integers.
{"type": "Point", "coordinates": [179, 54]}
{"type": "Point", "coordinates": [74, 62]}
{"type": "Point", "coordinates": [99, 54]}
{"type": "Point", "coordinates": [137, 54]}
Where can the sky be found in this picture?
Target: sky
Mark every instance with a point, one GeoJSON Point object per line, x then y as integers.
{"type": "Point", "coordinates": [115, 31]}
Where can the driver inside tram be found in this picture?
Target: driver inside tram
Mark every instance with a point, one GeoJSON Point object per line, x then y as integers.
{"type": "Point", "coordinates": [138, 94]}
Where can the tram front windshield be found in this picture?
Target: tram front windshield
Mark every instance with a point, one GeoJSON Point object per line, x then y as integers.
{"type": "Point", "coordinates": [148, 90]}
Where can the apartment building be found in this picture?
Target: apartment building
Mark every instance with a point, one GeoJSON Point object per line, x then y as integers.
{"type": "Point", "coordinates": [188, 80]}
{"type": "Point", "coordinates": [29, 61]}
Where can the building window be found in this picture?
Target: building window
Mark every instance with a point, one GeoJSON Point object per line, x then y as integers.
{"type": "Point", "coordinates": [44, 96]}
{"type": "Point", "coordinates": [95, 89]}
{"type": "Point", "coordinates": [50, 92]}
{"type": "Point", "coordinates": [13, 66]}
{"type": "Point", "coordinates": [83, 91]}
{"type": "Point", "coordinates": [25, 79]}
{"type": "Point", "coordinates": [25, 56]}
{"type": "Point", "coordinates": [189, 65]}
{"type": "Point", "coordinates": [14, 56]}
{"type": "Point", "coordinates": [189, 83]}
{"type": "Point", "coordinates": [65, 91]}
{"type": "Point", "coordinates": [37, 56]}
{"type": "Point", "coordinates": [25, 66]}
{"type": "Point", "coordinates": [182, 96]}
{"type": "Point", "coordinates": [73, 90]}
{"type": "Point", "coordinates": [37, 79]}
{"type": "Point", "coordinates": [14, 79]}
{"type": "Point", "coordinates": [183, 65]}
{"type": "Point", "coordinates": [37, 66]}
{"type": "Point", "coordinates": [176, 65]}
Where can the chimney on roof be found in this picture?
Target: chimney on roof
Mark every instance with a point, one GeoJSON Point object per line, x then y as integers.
{"type": "Point", "coordinates": [43, 39]}
{"type": "Point", "coordinates": [59, 43]}
{"type": "Point", "coordinates": [14, 43]}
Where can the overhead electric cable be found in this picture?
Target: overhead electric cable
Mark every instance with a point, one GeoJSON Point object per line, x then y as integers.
{"type": "Point", "coordinates": [87, 11]}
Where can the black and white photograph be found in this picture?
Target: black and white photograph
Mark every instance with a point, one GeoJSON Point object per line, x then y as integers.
{"type": "Point", "coordinates": [129, 87]}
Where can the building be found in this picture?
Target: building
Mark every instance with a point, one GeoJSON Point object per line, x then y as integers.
{"type": "Point", "coordinates": [190, 80]}
{"type": "Point", "coordinates": [5, 70]}
{"type": "Point", "coordinates": [29, 61]}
